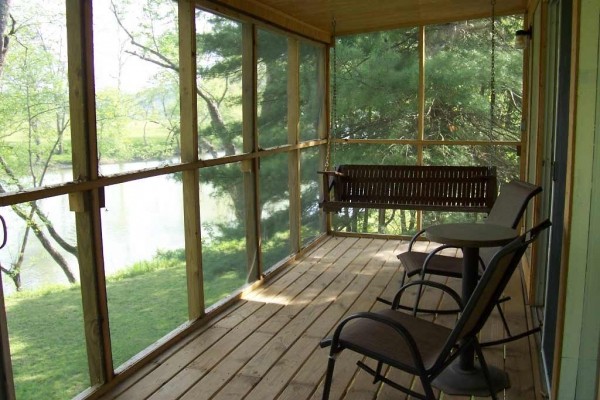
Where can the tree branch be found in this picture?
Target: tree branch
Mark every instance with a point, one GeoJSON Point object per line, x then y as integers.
{"type": "Point", "coordinates": [162, 60]}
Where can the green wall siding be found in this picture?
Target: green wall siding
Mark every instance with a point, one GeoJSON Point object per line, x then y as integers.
{"type": "Point", "coordinates": [581, 341]}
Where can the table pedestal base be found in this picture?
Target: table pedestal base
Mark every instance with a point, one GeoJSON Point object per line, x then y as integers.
{"type": "Point", "coordinates": [456, 381]}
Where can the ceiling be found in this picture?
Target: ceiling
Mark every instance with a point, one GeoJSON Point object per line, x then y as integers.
{"type": "Point", "coordinates": [357, 16]}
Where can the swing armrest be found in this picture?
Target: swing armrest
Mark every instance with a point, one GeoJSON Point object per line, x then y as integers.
{"type": "Point", "coordinates": [329, 182]}
{"type": "Point", "coordinates": [330, 173]}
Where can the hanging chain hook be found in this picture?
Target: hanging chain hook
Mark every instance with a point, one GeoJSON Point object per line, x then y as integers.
{"type": "Point", "coordinates": [4, 232]}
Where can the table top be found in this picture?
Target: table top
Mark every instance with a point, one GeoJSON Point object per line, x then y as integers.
{"type": "Point", "coordinates": [471, 234]}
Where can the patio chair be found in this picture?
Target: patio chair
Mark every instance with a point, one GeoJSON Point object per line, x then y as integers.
{"type": "Point", "coordinates": [506, 211]}
{"type": "Point", "coordinates": [420, 347]}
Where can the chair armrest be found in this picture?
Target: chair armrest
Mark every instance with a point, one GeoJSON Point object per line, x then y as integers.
{"type": "Point", "coordinates": [415, 238]}
{"type": "Point", "coordinates": [421, 283]}
{"type": "Point", "coordinates": [432, 254]}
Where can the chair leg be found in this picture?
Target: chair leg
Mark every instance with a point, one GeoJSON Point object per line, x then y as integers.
{"type": "Point", "coordinates": [503, 318]}
{"type": "Point", "coordinates": [377, 377]}
{"type": "Point", "coordinates": [403, 277]}
{"type": "Point", "coordinates": [385, 301]}
{"type": "Point", "coordinates": [417, 300]}
{"type": "Point", "coordinates": [484, 368]}
{"type": "Point", "coordinates": [328, 376]}
{"type": "Point", "coordinates": [429, 395]}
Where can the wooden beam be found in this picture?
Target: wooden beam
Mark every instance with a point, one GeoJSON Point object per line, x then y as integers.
{"type": "Point", "coordinates": [114, 179]}
{"type": "Point", "coordinates": [421, 96]}
{"type": "Point", "coordinates": [541, 130]}
{"type": "Point", "coordinates": [421, 121]}
{"type": "Point", "coordinates": [359, 16]}
{"type": "Point", "coordinates": [189, 153]}
{"type": "Point", "coordinates": [7, 387]}
{"type": "Point", "coordinates": [85, 167]}
{"type": "Point", "coordinates": [250, 146]}
{"type": "Point", "coordinates": [416, 142]}
{"type": "Point", "coordinates": [293, 114]}
{"type": "Point", "coordinates": [261, 12]}
{"type": "Point", "coordinates": [326, 130]}
{"type": "Point", "coordinates": [323, 124]}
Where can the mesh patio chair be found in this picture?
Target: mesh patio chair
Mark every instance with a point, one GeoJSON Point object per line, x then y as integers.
{"type": "Point", "coordinates": [420, 347]}
{"type": "Point", "coordinates": [506, 211]}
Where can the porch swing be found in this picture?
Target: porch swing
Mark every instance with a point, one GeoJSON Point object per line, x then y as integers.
{"type": "Point", "coordinates": [409, 187]}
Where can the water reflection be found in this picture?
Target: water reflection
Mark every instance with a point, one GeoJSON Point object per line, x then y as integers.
{"type": "Point", "coordinates": [159, 198]}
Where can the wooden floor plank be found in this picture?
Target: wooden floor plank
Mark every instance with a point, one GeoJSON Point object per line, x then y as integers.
{"type": "Point", "coordinates": [408, 299]}
{"type": "Point", "coordinates": [346, 370]}
{"type": "Point", "coordinates": [219, 376]}
{"type": "Point", "coordinates": [266, 346]}
{"type": "Point", "coordinates": [361, 386]}
{"type": "Point", "coordinates": [269, 354]}
{"type": "Point", "coordinates": [170, 369]}
{"type": "Point", "coordinates": [192, 374]}
{"type": "Point", "coordinates": [518, 356]}
{"type": "Point", "coordinates": [273, 378]}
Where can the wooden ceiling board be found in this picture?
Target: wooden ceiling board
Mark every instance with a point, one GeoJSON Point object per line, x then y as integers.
{"type": "Point", "coordinates": [358, 16]}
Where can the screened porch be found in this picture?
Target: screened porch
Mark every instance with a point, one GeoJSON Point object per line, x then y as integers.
{"type": "Point", "coordinates": [161, 191]}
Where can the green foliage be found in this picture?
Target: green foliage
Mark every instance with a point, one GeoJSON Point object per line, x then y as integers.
{"type": "Point", "coordinates": [34, 111]}
{"type": "Point", "coordinates": [225, 257]}
{"type": "Point", "coordinates": [377, 85]}
{"type": "Point", "coordinates": [164, 259]}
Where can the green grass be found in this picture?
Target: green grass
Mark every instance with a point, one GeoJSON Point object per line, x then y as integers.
{"type": "Point", "coordinates": [145, 302]}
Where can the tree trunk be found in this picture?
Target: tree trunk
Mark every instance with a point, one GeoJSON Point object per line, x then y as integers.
{"type": "Point", "coordinates": [4, 36]}
{"type": "Point", "coordinates": [56, 256]}
{"type": "Point", "coordinates": [55, 235]}
{"type": "Point", "coordinates": [15, 269]}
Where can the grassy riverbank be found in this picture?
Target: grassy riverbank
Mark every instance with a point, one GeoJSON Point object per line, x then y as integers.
{"type": "Point", "coordinates": [46, 330]}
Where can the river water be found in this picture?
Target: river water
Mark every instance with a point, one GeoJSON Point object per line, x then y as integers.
{"type": "Point", "coordinates": [140, 218]}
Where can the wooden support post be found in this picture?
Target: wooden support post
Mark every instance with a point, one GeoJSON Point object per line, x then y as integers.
{"type": "Point", "coordinates": [189, 153]}
{"type": "Point", "coordinates": [7, 387]}
{"type": "Point", "coordinates": [421, 96]}
{"type": "Point", "coordinates": [293, 113]}
{"type": "Point", "coordinates": [325, 117]}
{"type": "Point", "coordinates": [250, 167]}
{"type": "Point", "coordinates": [421, 121]}
{"type": "Point", "coordinates": [85, 167]}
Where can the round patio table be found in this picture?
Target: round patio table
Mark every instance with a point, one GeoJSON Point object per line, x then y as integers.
{"type": "Point", "coordinates": [464, 377]}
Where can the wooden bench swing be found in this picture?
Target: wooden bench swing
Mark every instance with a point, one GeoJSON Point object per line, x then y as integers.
{"type": "Point", "coordinates": [408, 187]}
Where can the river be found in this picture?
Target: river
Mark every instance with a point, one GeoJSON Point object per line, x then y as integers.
{"type": "Point", "coordinates": [140, 218]}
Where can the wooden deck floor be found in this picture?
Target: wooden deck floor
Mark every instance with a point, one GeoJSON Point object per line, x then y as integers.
{"type": "Point", "coordinates": [266, 346]}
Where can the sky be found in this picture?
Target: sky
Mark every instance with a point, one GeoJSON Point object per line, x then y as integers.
{"type": "Point", "coordinates": [110, 44]}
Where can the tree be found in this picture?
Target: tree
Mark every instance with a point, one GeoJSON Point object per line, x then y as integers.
{"type": "Point", "coordinates": [34, 120]}
{"type": "Point", "coordinates": [377, 85]}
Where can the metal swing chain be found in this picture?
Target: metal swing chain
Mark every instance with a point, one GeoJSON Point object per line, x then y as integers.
{"type": "Point", "coordinates": [493, 73]}
{"type": "Point", "coordinates": [333, 102]}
